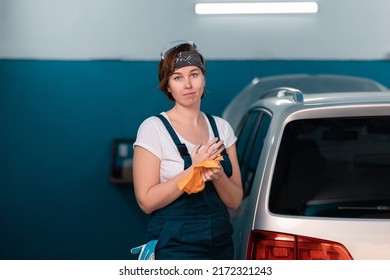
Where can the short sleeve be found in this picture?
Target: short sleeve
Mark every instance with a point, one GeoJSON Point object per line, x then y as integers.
{"type": "Point", "coordinates": [226, 131]}
{"type": "Point", "coordinates": [148, 136]}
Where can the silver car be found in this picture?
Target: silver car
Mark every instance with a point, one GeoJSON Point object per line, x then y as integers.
{"type": "Point", "coordinates": [314, 153]}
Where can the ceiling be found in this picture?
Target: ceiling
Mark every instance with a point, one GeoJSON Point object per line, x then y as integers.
{"type": "Point", "coordinates": [138, 30]}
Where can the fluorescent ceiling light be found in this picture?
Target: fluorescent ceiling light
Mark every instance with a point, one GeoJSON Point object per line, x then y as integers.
{"type": "Point", "coordinates": [256, 8]}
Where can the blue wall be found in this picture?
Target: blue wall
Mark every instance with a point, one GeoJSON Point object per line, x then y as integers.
{"type": "Point", "coordinates": [57, 120]}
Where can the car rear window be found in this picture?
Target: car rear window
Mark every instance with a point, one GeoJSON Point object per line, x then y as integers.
{"type": "Point", "coordinates": [333, 167]}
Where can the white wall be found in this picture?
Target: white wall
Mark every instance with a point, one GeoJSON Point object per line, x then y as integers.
{"type": "Point", "coordinates": [139, 29]}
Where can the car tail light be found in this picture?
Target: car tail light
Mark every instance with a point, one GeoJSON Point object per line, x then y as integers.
{"type": "Point", "coordinates": [265, 245]}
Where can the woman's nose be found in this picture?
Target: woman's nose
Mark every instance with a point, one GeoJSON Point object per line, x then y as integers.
{"type": "Point", "coordinates": [188, 83]}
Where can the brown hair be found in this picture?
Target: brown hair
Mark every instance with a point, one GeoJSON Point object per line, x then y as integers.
{"type": "Point", "coordinates": [167, 67]}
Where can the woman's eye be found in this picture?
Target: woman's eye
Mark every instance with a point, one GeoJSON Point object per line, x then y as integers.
{"type": "Point", "coordinates": [195, 75]}
{"type": "Point", "coordinates": [177, 78]}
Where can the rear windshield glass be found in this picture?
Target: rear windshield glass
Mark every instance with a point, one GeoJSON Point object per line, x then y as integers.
{"type": "Point", "coordinates": [336, 167]}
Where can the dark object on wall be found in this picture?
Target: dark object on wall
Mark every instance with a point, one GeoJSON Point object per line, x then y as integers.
{"type": "Point", "coordinates": [122, 161]}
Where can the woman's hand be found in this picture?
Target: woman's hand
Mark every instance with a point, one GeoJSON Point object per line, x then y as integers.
{"type": "Point", "coordinates": [209, 151]}
{"type": "Point", "coordinates": [211, 174]}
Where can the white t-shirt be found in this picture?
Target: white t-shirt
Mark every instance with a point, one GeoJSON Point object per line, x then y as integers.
{"type": "Point", "coordinates": [154, 137]}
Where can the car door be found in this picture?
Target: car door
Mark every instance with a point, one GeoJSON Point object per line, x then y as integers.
{"type": "Point", "coordinates": [251, 136]}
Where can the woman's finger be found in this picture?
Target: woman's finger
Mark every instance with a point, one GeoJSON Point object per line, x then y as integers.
{"type": "Point", "coordinates": [211, 143]}
{"type": "Point", "coordinates": [196, 149]}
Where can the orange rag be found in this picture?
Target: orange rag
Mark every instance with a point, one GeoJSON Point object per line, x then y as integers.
{"type": "Point", "coordinates": [193, 182]}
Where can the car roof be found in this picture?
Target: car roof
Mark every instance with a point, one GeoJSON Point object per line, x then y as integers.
{"type": "Point", "coordinates": [282, 91]}
{"type": "Point", "coordinates": [287, 104]}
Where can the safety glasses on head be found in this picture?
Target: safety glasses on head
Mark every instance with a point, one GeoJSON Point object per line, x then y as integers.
{"type": "Point", "coordinates": [174, 45]}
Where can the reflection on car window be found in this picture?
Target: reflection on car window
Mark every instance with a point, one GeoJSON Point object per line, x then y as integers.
{"type": "Point", "coordinates": [249, 145]}
{"type": "Point", "coordinates": [334, 167]}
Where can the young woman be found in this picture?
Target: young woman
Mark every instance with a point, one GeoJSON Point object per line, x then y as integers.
{"type": "Point", "coordinates": [186, 225]}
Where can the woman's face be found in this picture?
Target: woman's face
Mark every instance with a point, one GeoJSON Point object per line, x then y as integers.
{"type": "Point", "coordinates": [187, 85]}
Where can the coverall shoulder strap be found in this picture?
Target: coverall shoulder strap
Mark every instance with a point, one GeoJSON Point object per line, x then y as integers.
{"type": "Point", "coordinates": [181, 147]}
{"type": "Point", "coordinates": [215, 129]}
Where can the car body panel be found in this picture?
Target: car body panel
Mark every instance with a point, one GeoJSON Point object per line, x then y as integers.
{"type": "Point", "coordinates": [363, 238]}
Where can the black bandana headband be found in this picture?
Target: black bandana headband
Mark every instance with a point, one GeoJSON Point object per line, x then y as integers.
{"type": "Point", "coordinates": [189, 58]}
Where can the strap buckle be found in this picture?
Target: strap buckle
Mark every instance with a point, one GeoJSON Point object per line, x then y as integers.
{"type": "Point", "coordinates": [182, 149]}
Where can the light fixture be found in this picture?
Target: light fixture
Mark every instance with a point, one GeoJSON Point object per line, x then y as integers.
{"type": "Point", "coordinates": [256, 8]}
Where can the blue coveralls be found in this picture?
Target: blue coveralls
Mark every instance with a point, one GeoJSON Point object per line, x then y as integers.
{"type": "Point", "coordinates": [195, 226]}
